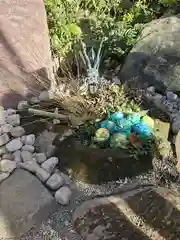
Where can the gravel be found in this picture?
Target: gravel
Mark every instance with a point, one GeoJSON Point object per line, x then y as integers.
{"type": "Point", "coordinates": [59, 227]}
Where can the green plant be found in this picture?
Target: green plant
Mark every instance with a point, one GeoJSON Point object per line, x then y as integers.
{"type": "Point", "coordinates": [168, 2]}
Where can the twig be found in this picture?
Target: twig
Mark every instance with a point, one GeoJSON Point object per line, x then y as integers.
{"type": "Point", "coordinates": [47, 114]}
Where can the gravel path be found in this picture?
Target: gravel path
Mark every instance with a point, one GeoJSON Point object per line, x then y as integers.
{"type": "Point", "coordinates": [58, 226]}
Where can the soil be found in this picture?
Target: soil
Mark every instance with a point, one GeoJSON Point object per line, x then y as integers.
{"type": "Point", "coordinates": [149, 213]}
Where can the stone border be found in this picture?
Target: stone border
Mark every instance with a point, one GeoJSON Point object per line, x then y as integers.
{"type": "Point", "coordinates": [17, 151]}
{"type": "Point", "coordinates": [169, 104]}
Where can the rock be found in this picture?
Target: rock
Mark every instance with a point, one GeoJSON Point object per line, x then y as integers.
{"type": "Point", "coordinates": [171, 96]}
{"type": "Point", "coordinates": [30, 166]}
{"type": "Point", "coordinates": [177, 148]}
{"type": "Point", "coordinates": [151, 61]}
{"type": "Point", "coordinates": [17, 156]}
{"type": "Point", "coordinates": [14, 145]}
{"type": "Point", "coordinates": [6, 128]}
{"type": "Point", "coordinates": [175, 126]}
{"type": "Point", "coordinates": [7, 166]}
{"type": "Point", "coordinates": [28, 139]}
{"type": "Point", "coordinates": [39, 157]}
{"type": "Point", "coordinates": [151, 90]}
{"type": "Point", "coordinates": [3, 114]}
{"type": "Point", "coordinates": [26, 156]}
{"type": "Point", "coordinates": [3, 150]}
{"type": "Point", "coordinates": [44, 143]}
{"type": "Point", "coordinates": [2, 121]}
{"type": "Point", "coordinates": [50, 164]}
{"type": "Point", "coordinates": [44, 96]}
{"type": "Point", "coordinates": [14, 119]}
{"type": "Point", "coordinates": [4, 139]}
{"type": "Point", "coordinates": [25, 203]}
{"type": "Point", "coordinates": [8, 156]}
{"type": "Point", "coordinates": [42, 174]}
{"type": "Point", "coordinates": [17, 131]}
{"type": "Point", "coordinates": [67, 180]}
{"type": "Point", "coordinates": [116, 80]}
{"type": "Point", "coordinates": [28, 148]}
{"type": "Point", "coordinates": [148, 96]}
{"type": "Point", "coordinates": [3, 176]}
{"type": "Point", "coordinates": [10, 111]}
{"type": "Point", "coordinates": [63, 195]}
{"type": "Point", "coordinates": [55, 181]}
{"type": "Point", "coordinates": [34, 100]}
{"type": "Point", "coordinates": [23, 105]}
{"type": "Point", "coordinates": [121, 216]}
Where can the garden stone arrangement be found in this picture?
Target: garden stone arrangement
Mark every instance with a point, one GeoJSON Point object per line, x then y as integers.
{"type": "Point", "coordinates": [17, 151]}
{"type": "Point", "coordinates": [169, 104]}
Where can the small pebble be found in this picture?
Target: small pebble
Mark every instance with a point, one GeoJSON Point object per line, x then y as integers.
{"type": "Point", "coordinates": [28, 139]}
{"type": "Point", "coordinates": [10, 111]}
{"type": "Point", "coordinates": [26, 156]}
{"type": "Point", "coordinates": [7, 166]}
{"type": "Point", "coordinates": [63, 195]}
{"type": "Point", "coordinates": [4, 139]}
{"type": "Point", "coordinates": [28, 148]}
{"type": "Point", "coordinates": [44, 96]}
{"type": "Point", "coordinates": [6, 128]}
{"type": "Point", "coordinates": [42, 175]}
{"type": "Point", "coordinates": [8, 156]}
{"type": "Point", "coordinates": [55, 181]}
{"type": "Point", "coordinates": [14, 145]}
{"type": "Point", "coordinates": [23, 105]}
{"type": "Point", "coordinates": [39, 157]}
{"type": "Point", "coordinates": [50, 164]}
{"type": "Point", "coordinates": [14, 119]}
{"type": "Point", "coordinates": [34, 100]}
{"type": "Point", "coordinates": [17, 156]}
{"type": "Point", "coordinates": [171, 96]}
{"type": "Point", "coordinates": [17, 131]}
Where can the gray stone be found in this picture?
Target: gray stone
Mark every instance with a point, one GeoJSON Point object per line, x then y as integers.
{"type": "Point", "coordinates": [3, 176]}
{"type": "Point", "coordinates": [50, 164]}
{"type": "Point", "coordinates": [4, 139]}
{"type": "Point", "coordinates": [42, 174]}
{"type": "Point", "coordinates": [17, 156]}
{"type": "Point", "coordinates": [17, 131]}
{"type": "Point", "coordinates": [25, 203]}
{"type": "Point", "coordinates": [28, 139]}
{"type": "Point", "coordinates": [44, 143]}
{"type": "Point", "coordinates": [7, 165]}
{"type": "Point", "coordinates": [23, 105]}
{"type": "Point", "coordinates": [14, 145]}
{"type": "Point", "coordinates": [154, 60]}
{"type": "Point", "coordinates": [3, 150]}
{"type": "Point", "coordinates": [39, 157]}
{"type": "Point", "coordinates": [171, 96]}
{"type": "Point", "coordinates": [30, 166]}
{"type": "Point", "coordinates": [10, 111]}
{"type": "Point", "coordinates": [2, 121]}
{"type": "Point", "coordinates": [63, 195]}
{"type": "Point", "coordinates": [28, 148]}
{"type": "Point", "coordinates": [6, 128]}
{"type": "Point", "coordinates": [151, 90]}
{"type": "Point", "coordinates": [67, 180]}
{"type": "Point", "coordinates": [44, 96]}
{"type": "Point", "coordinates": [26, 156]}
{"type": "Point", "coordinates": [14, 119]}
{"type": "Point", "coordinates": [34, 100]}
{"type": "Point", "coordinates": [8, 156]}
{"type": "Point", "coordinates": [175, 125]}
{"type": "Point", "coordinates": [55, 181]}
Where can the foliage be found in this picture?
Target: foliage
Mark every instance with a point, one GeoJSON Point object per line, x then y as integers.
{"type": "Point", "coordinates": [119, 22]}
{"type": "Point", "coordinates": [168, 2]}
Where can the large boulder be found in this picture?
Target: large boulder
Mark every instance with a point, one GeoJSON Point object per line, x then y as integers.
{"type": "Point", "coordinates": [144, 213]}
{"type": "Point", "coordinates": [24, 202]}
{"type": "Point", "coordinates": [24, 49]}
{"type": "Point", "coordinates": [155, 59]}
